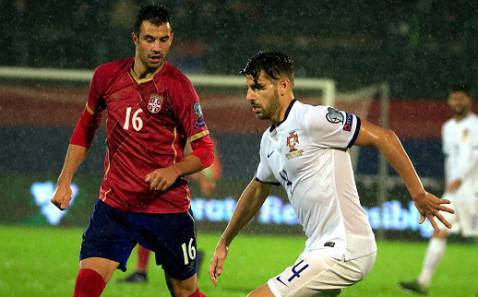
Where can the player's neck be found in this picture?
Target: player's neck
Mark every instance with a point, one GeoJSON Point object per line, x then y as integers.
{"type": "Point", "coordinates": [282, 110]}
{"type": "Point", "coordinates": [460, 116]}
{"type": "Point", "coordinates": [142, 71]}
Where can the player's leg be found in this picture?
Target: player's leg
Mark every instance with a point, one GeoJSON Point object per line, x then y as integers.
{"type": "Point", "coordinates": [184, 287]}
{"type": "Point", "coordinates": [435, 251]}
{"type": "Point", "coordinates": [106, 246]}
{"type": "Point", "coordinates": [143, 259]}
{"type": "Point", "coordinates": [93, 275]}
{"type": "Point", "coordinates": [433, 255]}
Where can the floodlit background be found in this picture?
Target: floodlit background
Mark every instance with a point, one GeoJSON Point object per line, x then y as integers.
{"type": "Point", "coordinates": [391, 62]}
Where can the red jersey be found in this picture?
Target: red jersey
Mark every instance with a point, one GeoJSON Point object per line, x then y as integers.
{"type": "Point", "coordinates": [148, 123]}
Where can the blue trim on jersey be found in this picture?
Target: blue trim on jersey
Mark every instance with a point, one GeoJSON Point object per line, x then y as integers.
{"type": "Point", "coordinates": [267, 183]}
{"type": "Point", "coordinates": [356, 132]}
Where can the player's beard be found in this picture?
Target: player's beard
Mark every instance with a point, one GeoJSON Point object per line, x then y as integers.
{"type": "Point", "coordinates": [272, 111]}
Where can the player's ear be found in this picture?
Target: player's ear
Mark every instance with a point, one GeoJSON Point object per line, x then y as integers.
{"type": "Point", "coordinates": [284, 85]}
{"type": "Point", "coordinates": [135, 38]}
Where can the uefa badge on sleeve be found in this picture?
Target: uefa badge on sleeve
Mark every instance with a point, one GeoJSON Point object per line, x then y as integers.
{"type": "Point", "coordinates": [197, 109]}
{"type": "Point", "coordinates": [155, 103]}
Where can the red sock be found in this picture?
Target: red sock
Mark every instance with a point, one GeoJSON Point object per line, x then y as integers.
{"type": "Point", "coordinates": [143, 258]}
{"type": "Point", "coordinates": [197, 293]}
{"type": "Point", "coordinates": [89, 283]}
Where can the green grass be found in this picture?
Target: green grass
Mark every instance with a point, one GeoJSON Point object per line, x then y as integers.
{"type": "Point", "coordinates": [44, 262]}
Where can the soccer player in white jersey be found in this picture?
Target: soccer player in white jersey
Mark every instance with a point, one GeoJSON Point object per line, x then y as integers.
{"type": "Point", "coordinates": [306, 151]}
{"type": "Point", "coordinates": [460, 146]}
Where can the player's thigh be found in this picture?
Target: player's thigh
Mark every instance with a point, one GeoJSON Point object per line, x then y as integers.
{"type": "Point", "coordinates": [467, 210]}
{"type": "Point", "coordinates": [108, 236]}
{"type": "Point", "coordinates": [317, 274]}
{"type": "Point", "coordinates": [173, 239]}
{"type": "Point", "coordinates": [453, 219]}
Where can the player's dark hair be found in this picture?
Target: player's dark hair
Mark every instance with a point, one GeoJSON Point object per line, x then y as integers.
{"type": "Point", "coordinates": [460, 88]}
{"type": "Point", "coordinates": [154, 13]}
{"type": "Point", "coordinates": [274, 64]}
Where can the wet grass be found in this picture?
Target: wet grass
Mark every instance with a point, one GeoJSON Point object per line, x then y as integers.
{"type": "Point", "coordinates": [44, 262]}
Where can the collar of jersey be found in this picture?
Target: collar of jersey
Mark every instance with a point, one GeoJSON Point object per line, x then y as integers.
{"type": "Point", "coordinates": [148, 76]}
{"type": "Point", "coordinates": [285, 116]}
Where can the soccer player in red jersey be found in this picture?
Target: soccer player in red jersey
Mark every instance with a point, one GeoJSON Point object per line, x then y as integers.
{"type": "Point", "coordinates": [152, 110]}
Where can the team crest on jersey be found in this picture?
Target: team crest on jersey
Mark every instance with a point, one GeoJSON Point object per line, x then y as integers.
{"type": "Point", "coordinates": [292, 142]}
{"type": "Point", "coordinates": [155, 103]}
{"type": "Point", "coordinates": [334, 116]}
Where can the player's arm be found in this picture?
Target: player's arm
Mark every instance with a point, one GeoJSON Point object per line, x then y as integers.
{"type": "Point", "coordinates": [251, 200]}
{"type": "Point", "coordinates": [388, 143]}
{"type": "Point", "coordinates": [201, 156]}
{"type": "Point", "coordinates": [80, 142]}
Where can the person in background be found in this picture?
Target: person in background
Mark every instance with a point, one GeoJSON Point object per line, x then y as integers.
{"type": "Point", "coordinates": [460, 147]}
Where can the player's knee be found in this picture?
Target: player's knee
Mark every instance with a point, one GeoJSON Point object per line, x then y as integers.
{"type": "Point", "coordinates": [442, 233]}
{"type": "Point", "coordinates": [183, 288]}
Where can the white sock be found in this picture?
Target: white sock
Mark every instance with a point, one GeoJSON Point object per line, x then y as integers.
{"type": "Point", "coordinates": [435, 251]}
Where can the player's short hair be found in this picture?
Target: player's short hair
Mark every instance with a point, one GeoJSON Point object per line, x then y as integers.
{"type": "Point", "coordinates": [274, 64]}
{"type": "Point", "coordinates": [460, 87]}
{"type": "Point", "coordinates": [154, 13]}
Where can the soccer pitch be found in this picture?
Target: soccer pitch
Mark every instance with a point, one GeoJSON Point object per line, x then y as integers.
{"type": "Point", "coordinates": [44, 261]}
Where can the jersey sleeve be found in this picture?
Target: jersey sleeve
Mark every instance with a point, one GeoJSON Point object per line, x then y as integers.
{"type": "Point", "coordinates": [329, 127]}
{"type": "Point", "coordinates": [264, 173]}
{"type": "Point", "coordinates": [97, 88]}
{"type": "Point", "coordinates": [85, 129]}
{"type": "Point", "coordinates": [189, 112]}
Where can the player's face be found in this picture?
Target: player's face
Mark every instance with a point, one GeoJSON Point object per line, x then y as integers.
{"type": "Point", "coordinates": [263, 96]}
{"type": "Point", "coordinates": [152, 44]}
{"type": "Point", "coordinates": [460, 103]}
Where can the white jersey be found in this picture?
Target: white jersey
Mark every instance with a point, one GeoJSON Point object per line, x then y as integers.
{"type": "Point", "coordinates": [460, 146]}
{"type": "Point", "coordinates": [307, 154]}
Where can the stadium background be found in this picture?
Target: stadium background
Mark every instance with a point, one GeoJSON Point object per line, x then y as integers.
{"type": "Point", "coordinates": [419, 48]}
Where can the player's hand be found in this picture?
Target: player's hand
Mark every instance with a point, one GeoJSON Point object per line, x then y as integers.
{"type": "Point", "coordinates": [454, 185]}
{"type": "Point", "coordinates": [62, 196]}
{"type": "Point", "coordinates": [429, 207]}
{"type": "Point", "coordinates": [163, 178]}
{"type": "Point", "coordinates": [217, 261]}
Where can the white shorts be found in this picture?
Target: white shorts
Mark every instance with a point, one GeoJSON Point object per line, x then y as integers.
{"type": "Point", "coordinates": [465, 219]}
{"type": "Point", "coordinates": [317, 274]}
